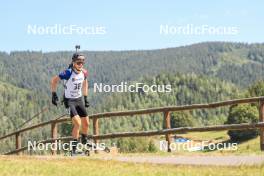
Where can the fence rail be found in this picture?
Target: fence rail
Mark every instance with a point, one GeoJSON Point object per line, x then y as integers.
{"type": "Point", "coordinates": [167, 131]}
{"type": "Point", "coordinates": [244, 126]}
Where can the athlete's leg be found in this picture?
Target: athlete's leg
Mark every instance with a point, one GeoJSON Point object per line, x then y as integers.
{"type": "Point", "coordinates": [85, 121]}
{"type": "Point", "coordinates": [85, 125]}
{"type": "Point", "coordinates": [76, 121]}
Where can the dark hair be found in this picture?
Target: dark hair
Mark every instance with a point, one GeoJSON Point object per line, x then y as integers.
{"type": "Point", "coordinates": [70, 66]}
{"type": "Point", "coordinates": [75, 56]}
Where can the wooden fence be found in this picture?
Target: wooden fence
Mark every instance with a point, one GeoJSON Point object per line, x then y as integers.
{"type": "Point", "coordinates": [167, 131]}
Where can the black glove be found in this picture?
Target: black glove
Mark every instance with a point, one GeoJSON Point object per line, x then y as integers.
{"type": "Point", "coordinates": [86, 102]}
{"type": "Point", "coordinates": [55, 98]}
{"type": "Point", "coordinates": [66, 102]}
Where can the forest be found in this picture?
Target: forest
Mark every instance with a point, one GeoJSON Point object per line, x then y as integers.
{"type": "Point", "coordinates": [198, 73]}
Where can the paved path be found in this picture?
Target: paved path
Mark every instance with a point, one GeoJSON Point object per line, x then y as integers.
{"type": "Point", "coordinates": [176, 160]}
{"type": "Point", "coordinates": [193, 160]}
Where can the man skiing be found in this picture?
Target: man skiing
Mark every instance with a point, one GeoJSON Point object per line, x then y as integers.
{"type": "Point", "coordinates": [76, 86]}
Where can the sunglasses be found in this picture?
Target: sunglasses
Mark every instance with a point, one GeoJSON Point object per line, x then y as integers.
{"type": "Point", "coordinates": [79, 63]}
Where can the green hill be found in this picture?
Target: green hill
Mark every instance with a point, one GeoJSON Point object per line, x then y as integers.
{"type": "Point", "coordinates": [238, 63]}
{"type": "Point", "coordinates": [19, 105]}
{"type": "Point", "coordinates": [186, 89]}
{"type": "Point", "coordinates": [204, 72]}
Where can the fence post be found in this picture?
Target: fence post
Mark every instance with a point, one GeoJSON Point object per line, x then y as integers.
{"type": "Point", "coordinates": [167, 126]}
{"type": "Point", "coordinates": [18, 142]}
{"type": "Point", "coordinates": [53, 135]}
{"type": "Point", "coordinates": [96, 130]}
{"type": "Point", "coordinates": [261, 130]}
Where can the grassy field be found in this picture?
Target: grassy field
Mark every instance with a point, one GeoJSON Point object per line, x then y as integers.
{"type": "Point", "coordinates": [249, 147]}
{"type": "Point", "coordinates": [66, 166]}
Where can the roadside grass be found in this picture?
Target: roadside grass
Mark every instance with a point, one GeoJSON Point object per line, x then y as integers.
{"type": "Point", "coordinates": [249, 147]}
{"type": "Point", "coordinates": [66, 166]}
{"type": "Point", "coordinates": [94, 165]}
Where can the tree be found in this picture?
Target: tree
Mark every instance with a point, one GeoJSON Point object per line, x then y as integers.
{"type": "Point", "coordinates": [256, 89]}
{"type": "Point", "coordinates": [132, 145]}
{"type": "Point", "coordinates": [181, 119]}
{"type": "Point", "coordinates": [242, 114]}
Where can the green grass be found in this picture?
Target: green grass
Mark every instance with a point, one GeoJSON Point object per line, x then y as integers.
{"type": "Point", "coordinates": [249, 147]}
{"type": "Point", "coordinates": [66, 166]}
{"type": "Point", "coordinates": [207, 135]}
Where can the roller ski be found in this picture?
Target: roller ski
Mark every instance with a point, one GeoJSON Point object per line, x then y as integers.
{"type": "Point", "coordinates": [81, 147]}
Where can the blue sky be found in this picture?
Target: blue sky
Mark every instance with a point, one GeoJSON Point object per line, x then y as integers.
{"type": "Point", "coordinates": [127, 25]}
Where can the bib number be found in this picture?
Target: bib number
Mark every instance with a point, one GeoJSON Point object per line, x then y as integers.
{"type": "Point", "coordinates": [77, 86]}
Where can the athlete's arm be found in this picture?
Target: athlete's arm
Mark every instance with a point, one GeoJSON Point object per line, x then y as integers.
{"type": "Point", "coordinates": [54, 83]}
{"type": "Point", "coordinates": [85, 93]}
{"type": "Point", "coordinates": [85, 88]}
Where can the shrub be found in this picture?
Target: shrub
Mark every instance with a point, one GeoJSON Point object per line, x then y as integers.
{"type": "Point", "coordinates": [242, 114]}
{"type": "Point", "coordinates": [133, 145]}
{"type": "Point", "coordinates": [181, 119]}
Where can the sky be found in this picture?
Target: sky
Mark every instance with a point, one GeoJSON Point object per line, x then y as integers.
{"type": "Point", "coordinates": [126, 25]}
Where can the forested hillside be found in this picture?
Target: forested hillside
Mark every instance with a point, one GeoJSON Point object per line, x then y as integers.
{"type": "Point", "coordinates": [186, 89]}
{"type": "Point", "coordinates": [236, 62]}
{"type": "Point", "coordinates": [198, 73]}
{"type": "Point", "coordinates": [19, 105]}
